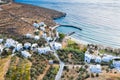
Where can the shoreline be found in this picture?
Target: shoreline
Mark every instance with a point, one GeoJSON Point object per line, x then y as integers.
{"type": "Point", "coordinates": [57, 17]}
{"type": "Point", "coordinates": [100, 46]}
{"type": "Point", "coordinates": [78, 41]}
{"type": "Point", "coordinates": [20, 17]}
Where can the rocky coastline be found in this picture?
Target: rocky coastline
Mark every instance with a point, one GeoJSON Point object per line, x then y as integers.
{"type": "Point", "coordinates": [16, 19]}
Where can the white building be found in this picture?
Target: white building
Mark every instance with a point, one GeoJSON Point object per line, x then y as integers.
{"type": "Point", "coordinates": [34, 47]}
{"type": "Point", "coordinates": [1, 48]}
{"type": "Point", "coordinates": [43, 50]}
{"type": "Point", "coordinates": [107, 58]}
{"type": "Point", "coordinates": [98, 59]}
{"type": "Point", "coordinates": [42, 28]}
{"type": "Point", "coordinates": [10, 43]}
{"type": "Point", "coordinates": [42, 24]}
{"type": "Point", "coordinates": [95, 68]}
{"type": "Point", "coordinates": [55, 45]}
{"type": "Point", "coordinates": [36, 25]}
{"type": "Point", "coordinates": [1, 40]}
{"type": "Point", "coordinates": [48, 39]}
{"type": "Point", "coordinates": [27, 45]}
{"type": "Point", "coordinates": [25, 54]}
{"type": "Point", "coordinates": [116, 63]}
{"type": "Point", "coordinates": [19, 47]}
{"type": "Point", "coordinates": [28, 35]}
{"type": "Point", "coordinates": [44, 35]}
{"type": "Point", "coordinates": [51, 61]}
{"type": "Point", "coordinates": [88, 57]}
{"type": "Point", "coordinates": [36, 38]}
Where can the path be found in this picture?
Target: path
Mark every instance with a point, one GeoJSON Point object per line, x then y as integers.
{"type": "Point", "coordinates": [59, 74]}
{"type": "Point", "coordinates": [61, 64]}
{"type": "Point", "coordinates": [55, 27]}
{"type": "Point", "coordinates": [40, 77]}
{"type": "Point", "coordinates": [4, 67]}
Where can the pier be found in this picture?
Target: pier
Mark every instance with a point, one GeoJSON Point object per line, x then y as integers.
{"type": "Point", "coordinates": [71, 26]}
{"type": "Point", "coordinates": [66, 26]}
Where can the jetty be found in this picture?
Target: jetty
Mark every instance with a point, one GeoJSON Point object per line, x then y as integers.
{"type": "Point", "coordinates": [58, 25]}
{"type": "Point", "coordinates": [72, 26]}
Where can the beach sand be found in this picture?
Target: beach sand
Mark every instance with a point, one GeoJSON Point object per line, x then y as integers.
{"type": "Point", "coordinates": [78, 41]}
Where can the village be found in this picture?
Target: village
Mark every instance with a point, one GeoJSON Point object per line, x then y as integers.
{"type": "Point", "coordinates": [22, 48]}
{"type": "Point", "coordinates": [41, 53]}
{"type": "Point", "coordinates": [27, 49]}
{"type": "Point", "coordinates": [90, 60]}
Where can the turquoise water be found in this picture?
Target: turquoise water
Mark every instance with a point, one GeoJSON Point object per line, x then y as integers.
{"type": "Point", "coordinates": [99, 19]}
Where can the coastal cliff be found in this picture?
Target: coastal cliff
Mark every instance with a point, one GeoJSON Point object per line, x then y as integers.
{"type": "Point", "coordinates": [16, 19]}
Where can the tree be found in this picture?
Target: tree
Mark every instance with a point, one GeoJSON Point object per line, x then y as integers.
{"type": "Point", "coordinates": [87, 76]}
{"type": "Point", "coordinates": [97, 74]}
{"type": "Point", "coordinates": [92, 75]}
{"type": "Point", "coordinates": [61, 36]}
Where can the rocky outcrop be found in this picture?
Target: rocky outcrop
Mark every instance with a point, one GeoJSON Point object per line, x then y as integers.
{"type": "Point", "coordinates": [17, 19]}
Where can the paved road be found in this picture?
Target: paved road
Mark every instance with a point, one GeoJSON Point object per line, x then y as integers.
{"type": "Point", "coordinates": [59, 74]}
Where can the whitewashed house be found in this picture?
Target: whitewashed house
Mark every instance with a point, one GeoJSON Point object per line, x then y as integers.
{"type": "Point", "coordinates": [28, 35]}
{"type": "Point", "coordinates": [36, 25]}
{"type": "Point", "coordinates": [51, 61]}
{"type": "Point", "coordinates": [95, 68]}
{"type": "Point", "coordinates": [87, 58]}
{"type": "Point", "coordinates": [42, 28]}
{"type": "Point", "coordinates": [10, 43]}
{"type": "Point", "coordinates": [19, 47]}
{"type": "Point", "coordinates": [44, 35]}
{"type": "Point", "coordinates": [1, 48]}
{"type": "Point", "coordinates": [27, 45]}
{"type": "Point", "coordinates": [36, 38]}
{"type": "Point", "coordinates": [1, 40]}
{"type": "Point", "coordinates": [42, 24]}
{"type": "Point", "coordinates": [25, 54]}
{"type": "Point", "coordinates": [43, 50]}
{"type": "Point", "coordinates": [116, 63]}
{"type": "Point", "coordinates": [98, 59]}
{"type": "Point", "coordinates": [55, 45]}
{"type": "Point", "coordinates": [107, 58]}
{"type": "Point", "coordinates": [34, 47]}
{"type": "Point", "coordinates": [48, 39]}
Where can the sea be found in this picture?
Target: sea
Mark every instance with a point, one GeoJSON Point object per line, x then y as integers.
{"type": "Point", "coordinates": [99, 19]}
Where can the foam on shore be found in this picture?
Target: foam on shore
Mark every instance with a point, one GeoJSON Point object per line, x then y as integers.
{"type": "Point", "coordinates": [78, 41]}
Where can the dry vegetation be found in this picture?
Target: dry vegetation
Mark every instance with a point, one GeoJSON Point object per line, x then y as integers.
{"type": "Point", "coordinates": [16, 19]}
{"type": "Point", "coordinates": [19, 69]}
{"type": "Point", "coordinates": [4, 64]}
{"type": "Point", "coordinates": [40, 65]}
{"type": "Point", "coordinates": [79, 72]}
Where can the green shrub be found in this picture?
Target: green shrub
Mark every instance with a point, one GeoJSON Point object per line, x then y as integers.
{"type": "Point", "coordinates": [61, 35]}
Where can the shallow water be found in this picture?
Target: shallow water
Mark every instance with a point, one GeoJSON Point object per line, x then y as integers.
{"type": "Point", "coordinates": [99, 19]}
